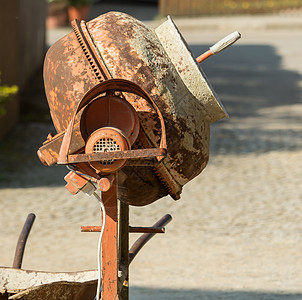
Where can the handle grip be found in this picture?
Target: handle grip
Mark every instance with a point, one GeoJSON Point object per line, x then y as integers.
{"type": "Point", "coordinates": [225, 42]}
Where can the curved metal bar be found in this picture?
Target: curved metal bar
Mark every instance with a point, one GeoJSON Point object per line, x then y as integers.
{"type": "Point", "coordinates": [121, 85]}
{"type": "Point", "coordinates": [144, 238]}
{"type": "Point", "coordinates": [22, 241]}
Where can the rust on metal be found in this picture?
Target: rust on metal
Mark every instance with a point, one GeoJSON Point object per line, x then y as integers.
{"type": "Point", "coordinates": [115, 45]}
{"type": "Point", "coordinates": [105, 183]}
{"type": "Point", "coordinates": [75, 182]}
{"type": "Point", "coordinates": [110, 266]}
{"type": "Point", "coordinates": [49, 151]}
{"type": "Point", "coordinates": [132, 229]}
{"type": "Point", "coordinates": [161, 81]}
{"type": "Point", "coordinates": [112, 84]}
{"type": "Point", "coordinates": [89, 49]}
{"type": "Point", "coordinates": [141, 162]}
{"type": "Point", "coordinates": [86, 169]}
{"type": "Point", "coordinates": [91, 228]}
{"type": "Point", "coordinates": [132, 110]}
{"type": "Point", "coordinates": [67, 77]}
{"type": "Point", "coordinates": [99, 156]}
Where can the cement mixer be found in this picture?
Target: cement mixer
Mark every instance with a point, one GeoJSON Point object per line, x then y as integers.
{"type": "Point", "coordinates": [132, 109]}
{"type": "Point", "coordinates": [117, 46]}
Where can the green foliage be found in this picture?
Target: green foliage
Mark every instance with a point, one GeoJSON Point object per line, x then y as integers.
{"type": "Point", "coordinates": [5, 95]}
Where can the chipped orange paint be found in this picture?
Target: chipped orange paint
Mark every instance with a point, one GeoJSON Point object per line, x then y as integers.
{"type": "Point", "coordinates": [130, 50]}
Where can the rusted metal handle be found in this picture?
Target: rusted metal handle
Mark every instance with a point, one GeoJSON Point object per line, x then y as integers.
{"type": "Point", "coordinates": [143, 239]}
{"type": "Point", "coordinates": [126, 154]}
{"type": "Point", "coordinates": [136, 229]}
{"type": "Point", "coordinates": [22, 241]}
{"type": "Point", "coordinates": [131, 229]}
{"type": "Point", "coordinates": [219, 46]}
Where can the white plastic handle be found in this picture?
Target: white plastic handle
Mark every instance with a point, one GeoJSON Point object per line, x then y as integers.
{"type": "Point", "coordinates": [225, 42]}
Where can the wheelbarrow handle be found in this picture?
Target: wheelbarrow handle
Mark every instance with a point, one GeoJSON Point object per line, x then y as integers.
{"type": "Point", "coordinates": [22, 241]}
{"type": "Point", "coordinates": [144, 238]}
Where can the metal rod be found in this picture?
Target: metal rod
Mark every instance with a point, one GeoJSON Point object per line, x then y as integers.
{"type": "Point", "coordinates": [204, 56]}
{"type": "Point", "coordinates": [146, 229]}
{"type": "Point", "coordinates": [91, 228]}
{"type": "Point", "coordinates": [220, 46]}
{"type": "Point", "coordinates": [123, 250]}
{"type": "Point", "coordinates": [143, 239]}
{"type": "Point", "coordinates": [126, 154]}
{"type": "Point", "coordinates": [22, 241]}
{"type": "Point", "coordinates": [131, 229]}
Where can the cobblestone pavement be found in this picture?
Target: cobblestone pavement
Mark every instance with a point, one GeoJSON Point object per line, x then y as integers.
{"type": "Point", "coordinates": [237, 231]}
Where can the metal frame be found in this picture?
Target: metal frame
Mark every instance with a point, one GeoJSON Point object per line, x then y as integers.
{"type": "Point", "coordinates": [116, 256]}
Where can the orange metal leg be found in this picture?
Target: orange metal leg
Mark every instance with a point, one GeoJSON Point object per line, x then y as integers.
{"type": "Point", "coordinates": [110, 245]}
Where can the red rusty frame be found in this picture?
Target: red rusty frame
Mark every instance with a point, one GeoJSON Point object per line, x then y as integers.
{"type": "Point", "coordinates": [110, 264]}
{"type": "Point", "coordinates": [116, 256]}
{"type": "Point", "coordinates": [126, 154]}
{"type": "Point", "coordinates": [132, 229]}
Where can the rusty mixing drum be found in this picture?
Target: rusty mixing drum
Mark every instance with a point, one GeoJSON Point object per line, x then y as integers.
{"type": "Point", "coordinates": [168, 85]}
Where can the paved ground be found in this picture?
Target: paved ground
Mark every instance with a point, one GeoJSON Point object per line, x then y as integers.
{"type": "Point", "coordinates": [237, 231]}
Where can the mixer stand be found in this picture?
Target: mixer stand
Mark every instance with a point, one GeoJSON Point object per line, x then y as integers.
{"type": "Point", "coordinates": [116, 256]}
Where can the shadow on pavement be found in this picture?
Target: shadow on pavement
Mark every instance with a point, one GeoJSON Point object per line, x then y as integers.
{"type": "Point", "coordinates": [260, 96]}
{"type": "Point", "coordinates": [249, 78]}
{"type": "Point", "coordinates": [256, 91]}
{"type": "Point", "coordinates": [165, 294]}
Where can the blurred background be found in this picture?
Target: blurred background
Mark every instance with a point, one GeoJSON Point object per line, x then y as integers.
{"type": "Point", "coordinates": [237, 231]}
{"type": "Point", "coordinates": [28, 29]}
